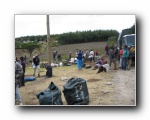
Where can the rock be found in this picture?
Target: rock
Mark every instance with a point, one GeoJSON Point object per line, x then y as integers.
{"type": "Point", "coordinates": [105, 92]}
{"type": "Point", "coordinates": [108, 83]}
{"type": "Point", "coordinates": [132, 100]}
{"type": "Point", "coordinates": [88, 66]}
{"type": "Point", "coordinates": [64, 78]}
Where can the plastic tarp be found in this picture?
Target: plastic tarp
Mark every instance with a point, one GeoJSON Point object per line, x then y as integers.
{"type": "Point", "coordinates": [51, 96]}
{"type": "Point", "coordinates": [29, 79]}
{"type": "Point", "coordinates": [76, 92]}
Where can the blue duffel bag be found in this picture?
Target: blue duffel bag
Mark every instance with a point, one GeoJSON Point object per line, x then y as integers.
{"type": "Point", "coordinates": [29, 79]}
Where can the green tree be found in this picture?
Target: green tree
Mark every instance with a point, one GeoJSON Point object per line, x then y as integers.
{"type": "Point", "coordinates": [17, 44]}
{"type": "Point", "coordinates": [112, 41]}
{"type": "Point", "coordinates": [30, 47]}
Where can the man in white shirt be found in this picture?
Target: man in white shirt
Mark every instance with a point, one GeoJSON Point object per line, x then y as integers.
{"type": "Point", "coordinates": [92, 56]}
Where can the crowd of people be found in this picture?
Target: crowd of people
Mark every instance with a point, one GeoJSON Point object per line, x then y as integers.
{"type": "Point", "coordinates": [56, 57]}
{"type": "Point", "coordinates": [87, 56]}
{"type": "Point", "coordinates": [123, 55]}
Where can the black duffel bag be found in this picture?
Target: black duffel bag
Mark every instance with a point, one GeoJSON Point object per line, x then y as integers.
{"type": "Point", "coordinates": [51, 96]}
{"type": "Point", "coordinates": [76, 92]}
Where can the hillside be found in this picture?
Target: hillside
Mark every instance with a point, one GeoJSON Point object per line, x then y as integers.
{"type": "Point", "coordinates": [66, 49]}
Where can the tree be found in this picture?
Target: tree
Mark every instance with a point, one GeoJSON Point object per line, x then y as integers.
{"type": "Point", "coordinates": [112, 40]}
{"type": "Point", "coordinates": [17, 44]}
{"type": "Point", "coordinates": [30, 47]}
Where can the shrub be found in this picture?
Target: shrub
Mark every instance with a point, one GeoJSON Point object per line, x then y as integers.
{"type": "Point", "coordinates": [112, 41]}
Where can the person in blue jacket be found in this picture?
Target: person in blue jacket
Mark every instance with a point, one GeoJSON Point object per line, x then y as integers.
{"type": "Point", "coordinates": [124, 57]}
{"type": "Point", "coordinates": [79, 61]}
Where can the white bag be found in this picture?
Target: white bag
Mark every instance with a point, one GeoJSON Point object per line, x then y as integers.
{"type": "Point", "coordinates": [34, 66]}
{"type": "Point", "coordinates": [107, 67]}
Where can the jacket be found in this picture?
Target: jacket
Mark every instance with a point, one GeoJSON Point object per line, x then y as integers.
{"type": "Point", "coordinates": [79, 56]}
{"type": "Point", "coordinates": [125, 53]}
{"type": "Point", "coordinates": [36, 61]}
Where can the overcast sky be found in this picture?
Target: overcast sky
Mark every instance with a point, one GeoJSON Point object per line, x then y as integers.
{"type": "Point", "coordinates": [26, 25]}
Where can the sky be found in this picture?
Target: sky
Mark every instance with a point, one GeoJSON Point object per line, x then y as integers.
{"type": "Point", "coordinates": [27, 25]}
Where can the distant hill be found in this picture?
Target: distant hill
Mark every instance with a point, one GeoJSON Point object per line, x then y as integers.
{"type": "Point", "coordinates": [70, 37]}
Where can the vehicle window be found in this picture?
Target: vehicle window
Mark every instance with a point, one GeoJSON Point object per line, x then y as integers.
{"type": "Point", "coordinates": [130, 40]}
{"type": "Point", "coordinates": [123, 40]}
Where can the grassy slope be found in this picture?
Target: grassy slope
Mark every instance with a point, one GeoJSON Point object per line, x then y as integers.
{"type": "Point", "coordinates": [66, 49]}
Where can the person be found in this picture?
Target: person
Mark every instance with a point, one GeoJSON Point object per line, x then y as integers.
{"type": "Point", "coordinates": [120, 54]}
{"type": "Point", "coordinates": [22, 62]}
{"type": "Point", "coordinates": [84, 57]}
{"type": "Point", "coordinates": [25, 59]}
{"type": "Point", "coordinates": [98, 63]}
{"type": "Point", "coordinates": [70, 56]}
{"type": "Point", "coordinates": [112, 57]}
{"type": "Point", "coordinates": [59, 57]}
{"type": "Point", "coordinates": [129, 61]}
{"type": "Point", "coordinates": [76, 54]}
{"type": "Point", "coordinates": [92, 56]}
{"type": "Point", "coordinates": [96, 53]}
{"type": "Point", "coordinates": [36, 62]}
{"type": "Point", "coordinates": [106, 49]}
{"type": "Point", "coordinates": [103, 61]}
{"type": "Point", "coordinates": [87, 54]}
{"type": "Point", "coordinates": [18, 74]}
{"type": "Point", "coordinates": [124, 57]}
{"type": "Point", "coordinates": [79, 60]}
{"type": "Point", "coordinates": [54, 56]}
{"type": "Point", "coordinates": [116, 51]}
{"type": "Point", "coordinates": [49, 71]}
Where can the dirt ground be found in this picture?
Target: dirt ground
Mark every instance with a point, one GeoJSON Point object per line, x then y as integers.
{"type": "Point", "coordinates": [114, 88]}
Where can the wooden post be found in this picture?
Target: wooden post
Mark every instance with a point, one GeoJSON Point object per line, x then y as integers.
{"type": "Point", "coordinates": [48, 42]}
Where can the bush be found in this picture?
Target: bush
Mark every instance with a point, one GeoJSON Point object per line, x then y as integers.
{"type": "Point", "coordinates": [112, 41]}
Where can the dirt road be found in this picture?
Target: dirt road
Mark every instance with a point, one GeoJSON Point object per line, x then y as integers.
{"type": "Point", "coordinates": [125, 85]}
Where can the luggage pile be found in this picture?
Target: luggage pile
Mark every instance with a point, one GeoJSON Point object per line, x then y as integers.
{"type": "Point", "coordinates": [75, 93]}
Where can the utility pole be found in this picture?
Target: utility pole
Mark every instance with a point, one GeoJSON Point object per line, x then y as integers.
{"type": "Point", "coordinates": [48, 41]}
